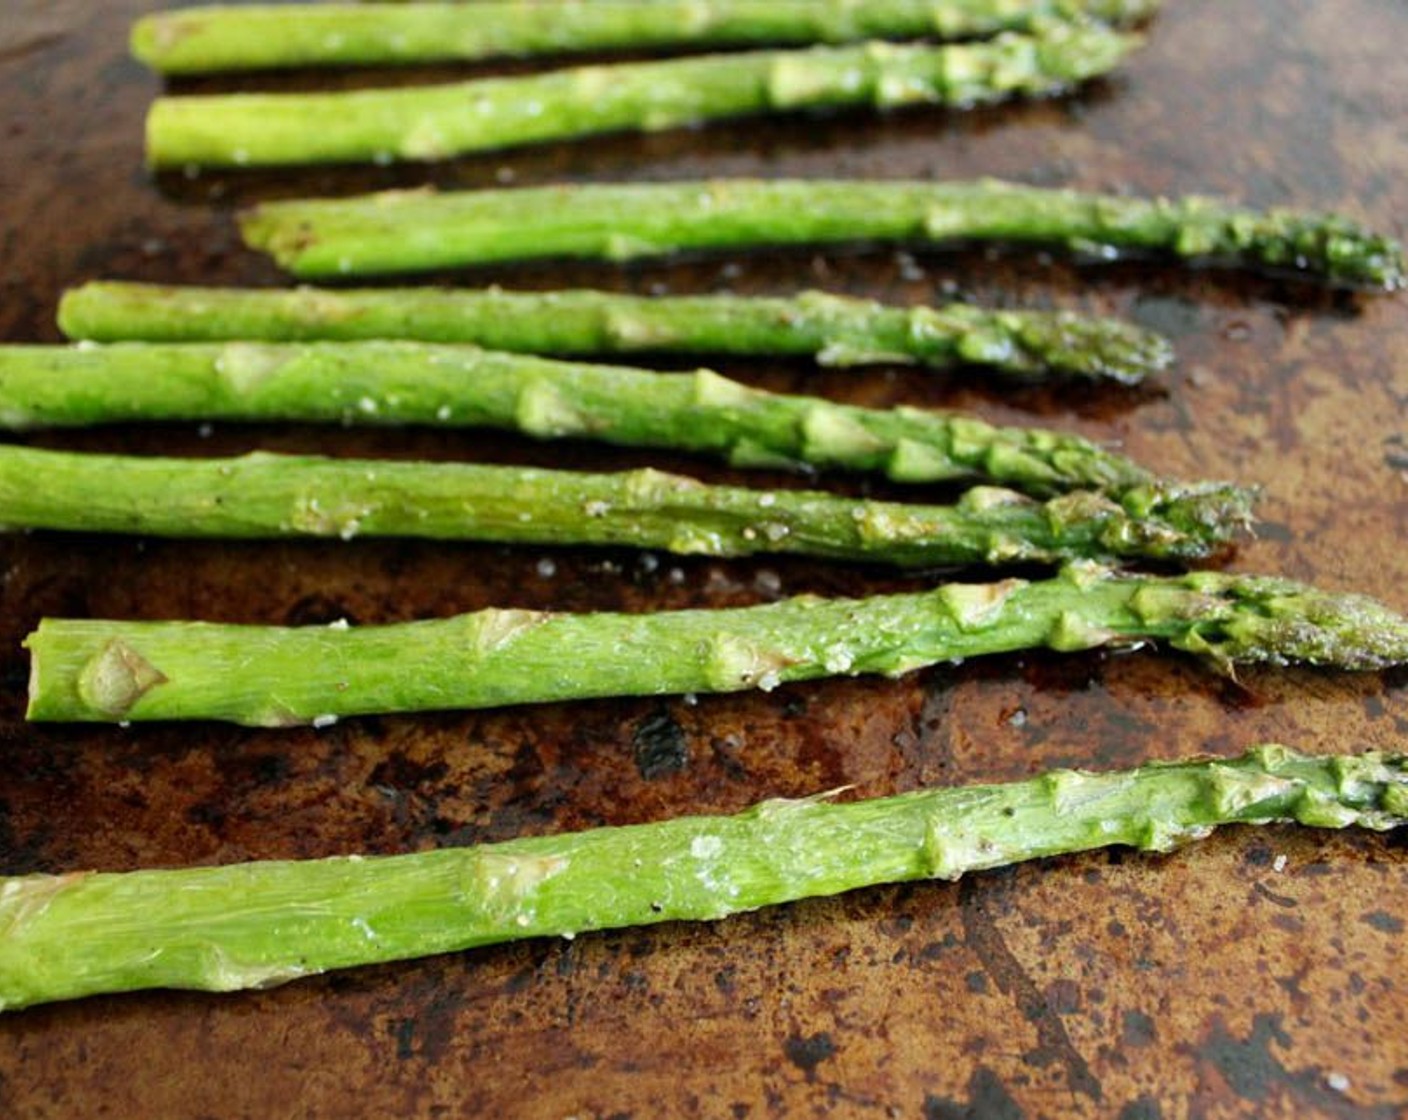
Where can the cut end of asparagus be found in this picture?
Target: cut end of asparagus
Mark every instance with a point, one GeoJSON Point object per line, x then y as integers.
{"type": "Point", "coordinates": [266, 228]}
{"type": "Point", "coordinates": [151, 36]}
{"type": "Point", "coordinates": [158, 36]}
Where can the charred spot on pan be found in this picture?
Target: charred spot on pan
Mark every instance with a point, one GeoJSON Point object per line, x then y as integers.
{"type": "Point", "coordinates": [1174, 316]}
{"type": "Point", "coordinates": [988, 1099]}
{"type": "Point", "coordinates": [25, 851]}
{"type": "Point", "coordinates": [1284, 901]}
{"type": "Point", "coordinates": [1145, 1108]}
{"type": "Point", "coordinates": [1382, 921]}
{"type": "Point", "coordinates": [404, 1032]}
{"type": "Point", "coordinates": [209, 814]}
{"type": "Point", "coordinates": [809, 1052]}
{"type": "Point", "coordinates": [318, 610]}
{"type": "Point", "coordinates": [1396, 452]}
{"type": "Point", "coordinates": [725, 756]}
{"type": "Point", "coordinates": [1254, 1073]}
{"type": "Point", "coordinates": [794, 706]}
{"type": "Point", "coordinates": [660, 746]}
{"type": "Point", "coordinates": [1137, 1029]}
{"type": "Point", "coordinates": [399, 772]}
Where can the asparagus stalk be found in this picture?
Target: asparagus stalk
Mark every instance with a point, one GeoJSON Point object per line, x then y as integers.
{"type": "Point", "coordinates": [837, 331]}
{"type": "Point", "coordinates": [263, 495]}
{"type": "Point", "coordinates": [438, 122]}
{"type": "Point", "coordinates": [460, 386]}
{"type": "Point", "coordinates": [254, 925]}
{"type": "Point", "coordinates": [110, 671]}
{"type": "Point", "coordinates": [405, 231]}
{"type": "Point", "coordinates": [204, 39]}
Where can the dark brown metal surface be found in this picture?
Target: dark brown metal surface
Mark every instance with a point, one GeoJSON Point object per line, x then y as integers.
{"type": "Point", "coordinates": [1259, 973]}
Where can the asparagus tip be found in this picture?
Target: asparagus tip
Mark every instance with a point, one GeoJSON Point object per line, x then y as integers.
{"type": "Point", "coordinates": [1071, 344]}
{"type": "Point", "coordinates": [1280, 622]}
{"type": "Point", "coordinates": [1214, 512]}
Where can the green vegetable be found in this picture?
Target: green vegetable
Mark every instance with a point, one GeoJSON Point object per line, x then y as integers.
{"type": "Point", "coordinates": [263, 495]}
{"type": "Point", "coordinates": [407, 231]}
{"type": "Point", "coordinates": [203, 39]}
{"type": "Point", "coordinates": [460, 386]}
{"type": "Point", "coordinates": [275, 677]}
{"type": "Point", "coordinates": [835, 330]}
{"type": "Point", "coordinates": [438, 122]}
{"type": "Point", "coordinates": [254, 925]}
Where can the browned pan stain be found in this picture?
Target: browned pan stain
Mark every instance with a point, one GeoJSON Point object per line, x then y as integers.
{"type": "Point", "coordinates": [1253, 1068]}
{"type": "Point", "coordinates": [987, 1099]}
{"type": "Point", "coordinates": [1054, 1046]}
{"type": "Point", "coordinates": [1170, 986]}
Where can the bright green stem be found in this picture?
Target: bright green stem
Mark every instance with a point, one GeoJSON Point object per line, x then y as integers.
{"type": "Point", "coordinates": [461, 386]}
{"type": "Point", "coordinates": [263, 495]}
{"type": "Point", "coordinates": [837, 331]}
{"type": "Point", "coordinates": [274, 677]}
{"type": "Point", "coordinates": [438, 122]}
{"type": "Point", "coordinates": [254, 925]}
{"type": "Point", "coordinates": [263, 37]}
{"type": "Point", "coordinates": [408, 231]}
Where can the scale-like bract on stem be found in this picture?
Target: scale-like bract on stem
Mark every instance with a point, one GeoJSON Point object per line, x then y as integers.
{"type": "Point", "coordinates": [261, 37]}
{"type": "Point", "coordinates": [96, 670]}
{"type": "Point", "coordinates": [835, 330]}
{"type": "Point", "coordinates": [263, 495]}
{"type": "Point", "coordinates": [253, 925]}
{"type": "Point", "coordinates": [409, 231]}
{"type": "Point", "coordinates": [486, 114]}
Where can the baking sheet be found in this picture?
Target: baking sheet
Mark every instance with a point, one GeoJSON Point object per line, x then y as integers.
{"type": "Point", "coordinates": [1256, 974]}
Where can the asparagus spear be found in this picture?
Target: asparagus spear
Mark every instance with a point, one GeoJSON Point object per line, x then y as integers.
{"type": "Point", "coordinates": [274, 677]}
{"type": "Point", "coordinates": [422, 383]}
{"type": "Point", "coordinates": [204, 39]}
{"type": "Point", "coordinates": [405, 231]}
{"type": "Point", "coordinates": [437, 122]}
{"type": "Point", "coordinates": [264, 495]}
{"type": "Point", "coordinates": [836, 330]}
{"type": "Point", "coordinates": [254, 925]}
